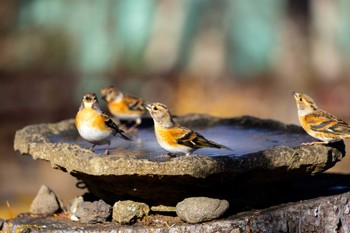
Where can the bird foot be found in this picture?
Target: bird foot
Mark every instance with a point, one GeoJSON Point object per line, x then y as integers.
{"type": "Point", "coordinates": [167, 156]}
{"type": "Point", "coordinates": [133, 129]}
{"type": "Point", "coordinates": [313, 143]}
{"type": "Point", "coordinates": [92, 148]}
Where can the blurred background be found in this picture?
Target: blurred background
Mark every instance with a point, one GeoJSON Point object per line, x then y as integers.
{"type": "Point", "coordinates": [224, 58]}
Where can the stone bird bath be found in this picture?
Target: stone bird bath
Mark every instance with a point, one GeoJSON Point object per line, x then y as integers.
{"type": "Point", "coordinates": [264, 151]}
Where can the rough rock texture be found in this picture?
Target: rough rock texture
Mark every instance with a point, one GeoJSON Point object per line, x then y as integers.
{"type": "Point", "coordinates": [163, 208]}
{"type": "Point", "coordinates": [325, 214]}
{"type": "Point", "coordinates": [45, 202]}
{"type": "Point", "coordinates": [126, 212]}
{"type": "Point", "coordinates": [201, 209]}
{"type": "Point", "coordinates": [90, 212]}
{"type": "Point", "coordinates": [72, 207]}
{"type": "Point", "coordinates": [127, 174]}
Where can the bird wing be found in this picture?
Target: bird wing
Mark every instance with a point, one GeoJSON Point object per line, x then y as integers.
{"type": "Point", "coordinates": [114, 127]}
{"type": "Point", "coordinates": [134, 103]}
{"type": "Point", "coordinates": [195, 140]}
{"type": "Point", "coordinates": [325, 122]}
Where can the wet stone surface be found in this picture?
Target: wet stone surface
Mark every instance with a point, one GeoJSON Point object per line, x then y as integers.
{"type": "Point", "coordinates": [264, 151]}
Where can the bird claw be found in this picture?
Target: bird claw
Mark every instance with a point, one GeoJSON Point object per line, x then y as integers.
{"type": "Point", "coordinates": [313, 143]}
{"type": "Point", "coordinates": [167, 156]}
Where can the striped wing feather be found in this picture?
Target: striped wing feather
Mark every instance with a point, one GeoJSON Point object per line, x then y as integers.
{"type": "Point", "coordinates": [327, 123]}
{"type": "Point", "coordinates": [134, 103]}
{"type": "Point", "coordinates": [114, 127]}
{"type": "Point", "coordinates": [195, 140]}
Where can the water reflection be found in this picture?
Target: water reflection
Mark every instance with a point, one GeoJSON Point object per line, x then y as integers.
{"type": "Point", "coordinates": [242, 140]}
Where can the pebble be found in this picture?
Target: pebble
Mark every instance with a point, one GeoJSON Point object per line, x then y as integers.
{"type": "Point", "coordinates": [126, 212]}
{"type": "Point", "coordinates": [163, 208]}
{"type": "Point", "coordinates": [89, 212]}
{"type": "Point", "coordinates": [72, 207]}
{"type": "Point", "coordinates": [45, 202]}
{"type": "Point", "coordinates": [201, 209]}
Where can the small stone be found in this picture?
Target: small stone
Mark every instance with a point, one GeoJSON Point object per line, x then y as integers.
{"type": "Point", "coordinates": [200, 209]}
{"type": "Point", "coordinates": [125, 212]}
{"type": "Point", "coordinates": [72, 207]}
{"type": "Point", "coordinates": [163, 208]}
{"type": "Point", "coordinates": [45, 202]}
{"type": "Point", "coordinates": [89, 212]}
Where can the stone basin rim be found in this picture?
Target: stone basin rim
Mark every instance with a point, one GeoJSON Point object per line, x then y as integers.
{"type": "Point", "coordinates": [34, 140]}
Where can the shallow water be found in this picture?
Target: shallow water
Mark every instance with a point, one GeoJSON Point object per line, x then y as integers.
{"type": "Point", "coordinates": [241, 140]}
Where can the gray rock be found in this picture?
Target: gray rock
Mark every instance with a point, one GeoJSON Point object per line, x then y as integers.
{"type": "Point", "coordinates": [125, 212]}
{"type": "Point", "coordinates": [90, 212]}
{"type": "Point", "coordinates": [72, 207]}
{"type": "Point", "coordinates": [201, 209]}
{"type": "Point", "coordinates": [45, 202]}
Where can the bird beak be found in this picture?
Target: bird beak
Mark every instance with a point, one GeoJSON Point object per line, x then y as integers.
{"type": "Point", "coordinates": [295, 95]}
{"type": "Point", "coordinates": [147, 106]}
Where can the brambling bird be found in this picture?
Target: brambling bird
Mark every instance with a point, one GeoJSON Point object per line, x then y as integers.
{"type": "Point", "coordinates": [124, 106]}
{"type": "Point", "coordinates": [318, 123]}
{"type": "Point", "coordinates": [95, 126]}
{"type": "Point", "coordinates": [174, 137]}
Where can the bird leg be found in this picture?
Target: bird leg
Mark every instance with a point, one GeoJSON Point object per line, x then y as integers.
{"type": "Point", "coordinates": [91, 148]}
{"type": "Point", "coordinates": [167, 156]}
{"type": "Point", "coordinates": [107, 149]}
{"type": "Point", "coordinates": [171, 155]}
{"type": "Point", "coordinates": [119, 124]}
{"type": "Point", "coordinates": [133, 128]}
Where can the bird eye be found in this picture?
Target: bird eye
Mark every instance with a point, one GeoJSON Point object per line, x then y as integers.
{"type": "Point", "coordinates": [155, 108]}
{"type": "Point", "coordinates": [300, 99]}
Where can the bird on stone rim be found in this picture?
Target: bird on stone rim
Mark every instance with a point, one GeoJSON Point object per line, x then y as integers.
{"type": "Point", "coordinates": [93, 125]}
{"type": "Point", "coordinates": [319, 123]}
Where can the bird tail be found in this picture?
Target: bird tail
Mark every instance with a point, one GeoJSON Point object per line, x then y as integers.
{"type": "Point", "coordinates": [219, 146]}
{"type": "Point", "coordinates": [122, 135]}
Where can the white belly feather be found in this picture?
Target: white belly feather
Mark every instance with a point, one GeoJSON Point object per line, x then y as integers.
{"type": "Point", "coordinates": [94, 135]}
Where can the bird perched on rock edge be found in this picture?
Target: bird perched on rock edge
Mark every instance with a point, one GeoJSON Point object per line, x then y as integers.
{"type": "Point", "coordinates": [318, 123]}
{"type": "Point", "coordinates": [174, 137]}
{"type": "Point", "coordinates": [124, 106]}
{"type": "Point", "coordinates": [95, 126]}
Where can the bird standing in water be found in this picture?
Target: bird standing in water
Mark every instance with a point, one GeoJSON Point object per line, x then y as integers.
{"type": "Point", "coordinates": [174, 137]}
{"type": "Point", "coordinates": [124, 106]}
